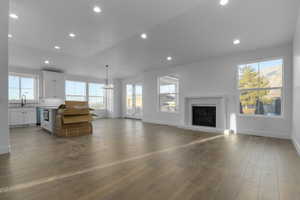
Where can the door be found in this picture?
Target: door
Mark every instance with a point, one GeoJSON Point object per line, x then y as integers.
{"type": "Point", "coordinates": [138, 101]}
{"type": "Point", "coordinates": [134, 101]}
{"type": "Point", "coordinates": [129, 100]}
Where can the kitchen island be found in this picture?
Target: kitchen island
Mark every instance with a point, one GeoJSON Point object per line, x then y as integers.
{"type": "Point", "coordinates": [47, 117]}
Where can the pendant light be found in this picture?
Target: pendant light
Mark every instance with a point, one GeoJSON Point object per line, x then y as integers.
{"type": "Point", "coordinates": [108, 85]}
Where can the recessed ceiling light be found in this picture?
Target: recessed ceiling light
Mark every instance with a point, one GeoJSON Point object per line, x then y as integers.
{"type": "Point", "coordinates": [72, 35]}
{"type": "Point", "coordinates": [13, 16]}
{"type": "Point", "coordinates": [224, 2]}
{"type": "Point", "coordinates": [10, 36]}
{"type": "Point", "coordinates": [57, 47]}
{"type": "Point", "coordinates": [236, 41]}
{"type": "Point", "coordinates": [47, 62]}
{"type": "Point", "coordinates": [144, 36]}
{"type": "Point", "coordinates": [169, 58]}
{"type": "Point", "coordinates": [97, 9]}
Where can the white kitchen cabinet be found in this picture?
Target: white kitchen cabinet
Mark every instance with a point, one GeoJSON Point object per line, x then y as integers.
{"type": "Point", "coordinates": [53, 85]}
{"type": "Point", "coordinates": [22, 116]}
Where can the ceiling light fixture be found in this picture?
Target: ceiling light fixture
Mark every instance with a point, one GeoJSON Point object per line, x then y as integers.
{"type": "Point", "coordinates": [13, 16]}
{"type": "Point", "coordinates": [108, 85]}
{"type": "Point", "coordinates": [47, 62]}
{"type": "Point", "coordinates": [144, 36]}
{"type": "Point", "coordinates": [97, 9]}
{"type": "Point", "coordinates": [224, 2]}
{"type": "Point", "coordinates": [169, 58]}
{"type": "Point", "coordinates": [57, 47]}
{"type": "Point", "coordinates": [236, 41]}
{"type": "Point", "coordinates": [72, 35]}
{"type": "Point", "coordinates": [10, 36]}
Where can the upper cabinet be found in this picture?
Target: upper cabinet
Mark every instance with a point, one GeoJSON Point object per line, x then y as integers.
{"type": "Point", "coordinates": [53, 85]}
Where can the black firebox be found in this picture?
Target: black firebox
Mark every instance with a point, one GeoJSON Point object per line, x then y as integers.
{"type": "Point", "coordinates": [204, 116]}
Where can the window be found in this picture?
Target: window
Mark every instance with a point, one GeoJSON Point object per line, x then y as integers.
{"type": "Point", "coordinates": [168, 93]}
{"type": "Point", "coordinates": [96, 96]}
{"type": "Point", "coordinates": [81, 91]}
{"type": "Point", "coordinates": [75, 91]}
{"type": "Point", "coordinates": [260, 88]}
{"type": "Point", "coordinates": [22, 86]}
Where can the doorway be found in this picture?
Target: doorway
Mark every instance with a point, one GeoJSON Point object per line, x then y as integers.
{"type": "Point", "coordinates": [134, 101]}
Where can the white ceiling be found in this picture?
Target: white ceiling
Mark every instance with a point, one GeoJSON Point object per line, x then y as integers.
{"type": "Point", "coordinates": [187, 30]}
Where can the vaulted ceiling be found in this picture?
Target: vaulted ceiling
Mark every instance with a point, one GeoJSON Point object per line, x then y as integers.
{"type": "Point", "coordinates": [188, 30]}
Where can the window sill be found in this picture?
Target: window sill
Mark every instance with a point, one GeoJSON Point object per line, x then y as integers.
{"type": "Point", "coordinates": [262, 116]}
{"type": "Point", "coordinates": [28, 102]}
{"type": "Point", "coordinates": [169, 112]}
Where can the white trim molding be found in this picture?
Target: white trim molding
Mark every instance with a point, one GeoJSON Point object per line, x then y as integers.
{"type": "Point", "coordinates": [203, 129]}
{"type": "Point", "coordinates": [218, 101]}
{"type": "Point", "coordinates": [272, 134]}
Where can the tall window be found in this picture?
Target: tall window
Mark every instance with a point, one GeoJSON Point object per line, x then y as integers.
{"type": "Point", "coordinates": [168, 93]}
{"type": "Point", "coordinates": [22, 86]}
{"type": "Point", "coordinates": [96, 96]}
{"type": "Point", "coordinates": [75, 91]}
{"type": "Point", "coordinates": [260, 88]}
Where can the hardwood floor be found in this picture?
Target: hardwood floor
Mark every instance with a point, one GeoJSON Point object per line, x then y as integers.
{"type": "Point", "coordinates": [127, 160]}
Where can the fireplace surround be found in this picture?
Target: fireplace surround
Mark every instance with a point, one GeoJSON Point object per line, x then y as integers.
{"type": "Point", "coordinates": [211, 116]}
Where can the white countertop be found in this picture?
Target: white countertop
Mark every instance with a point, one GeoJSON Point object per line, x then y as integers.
{"type": "Point", "coordinates": [48, 107]}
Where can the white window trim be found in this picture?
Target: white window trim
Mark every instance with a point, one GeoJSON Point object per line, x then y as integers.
{"type": "Point", "coordinates": [36, 87]}
{"type": "Point", "coordinates": [158, 95]}
{"type": "Point", "coordinates": [283, 98]}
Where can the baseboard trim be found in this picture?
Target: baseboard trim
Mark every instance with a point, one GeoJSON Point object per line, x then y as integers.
{"type": "Point", "coordinates": [4, 149]}
{"type": "Point", "coordinates": [296, 144]}
{"type": "Point", "coordinates": [218, 130]}
{"type": "Point", "coordinates": [264, 134]}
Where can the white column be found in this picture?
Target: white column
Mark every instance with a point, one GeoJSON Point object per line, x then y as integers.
{"type": "Point", "coordinates": [4, 130]}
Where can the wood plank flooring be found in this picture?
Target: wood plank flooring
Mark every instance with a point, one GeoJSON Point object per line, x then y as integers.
{"type": "Point", "coordinates": [128, 160]}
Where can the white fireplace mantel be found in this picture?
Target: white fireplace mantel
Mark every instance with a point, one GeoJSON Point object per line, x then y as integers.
{"type": "Point", "coordinates": [212, 100]}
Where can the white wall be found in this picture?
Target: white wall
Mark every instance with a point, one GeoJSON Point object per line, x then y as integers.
{"type": "Point", "coordinates": [117, 96]}
{"type": "Point", "coordinates": [4, 131]}
{"type": "Point", "coordinates": [296, 93]}
{"type": "Point", "coordinates": [217, 76]}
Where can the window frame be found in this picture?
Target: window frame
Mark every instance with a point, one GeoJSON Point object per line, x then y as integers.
{"type": "Point", "coordinates": [239, 91]}
{"type": "Point", "coordinates": [158, 94]}
{"type": "Point", "coordinates": [35, 77]}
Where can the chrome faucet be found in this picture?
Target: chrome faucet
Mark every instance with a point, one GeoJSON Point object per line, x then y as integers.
{"type": "Point", "coordinates": [23, 100]}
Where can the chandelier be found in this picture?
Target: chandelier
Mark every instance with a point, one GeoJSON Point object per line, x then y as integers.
{"type": "Point", "coordinates": [108, 85]}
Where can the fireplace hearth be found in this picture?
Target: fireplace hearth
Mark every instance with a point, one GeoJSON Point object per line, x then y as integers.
{"type": "Point", "coordinates": [204, 116]}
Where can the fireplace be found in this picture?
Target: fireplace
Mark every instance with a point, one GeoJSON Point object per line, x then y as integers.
{"type": "Point", "coordinates": [204, 116]}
